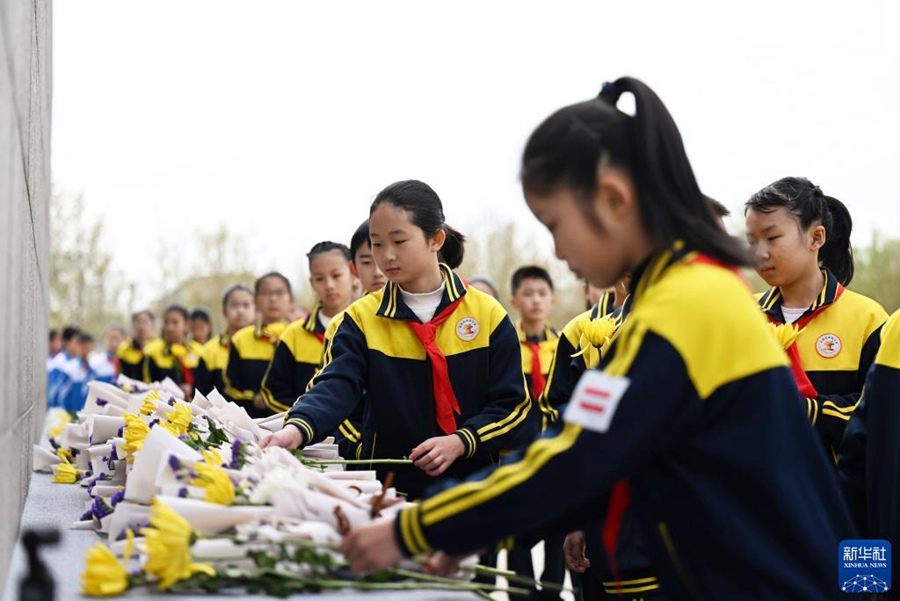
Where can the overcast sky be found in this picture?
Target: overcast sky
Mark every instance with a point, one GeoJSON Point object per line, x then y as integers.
{"type": "Point", "coordinates": [284, 119]}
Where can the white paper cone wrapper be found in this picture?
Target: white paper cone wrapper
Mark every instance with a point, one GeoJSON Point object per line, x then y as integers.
{"type": "Point", "coordinates": [322, 451]}
{"type": "Point", "coordinates": [169, 386]}
{"type": "Point", "coordinates": [44, 459]}
{"type": "Point", "coordinates": [105, 491]}
{"type": "Point", "coordinates": [82, 525]}
{"type": "Point", "coordinates": [319, 532]}
{"type": "Point", "coordinates": [103, 427]}
{"type": "Point", "coordinates": [104, 392]}
{"type": "Point", "coordinates": [273, 423]}
{"type": "Point", "coordinates": [83, 460]}
{"type": "Point", "coordinates": [74, 436]}
{"type": "Point", "coordinates": [210, 518]}
{"type": "Point", "coordinates": [141, 483]}
{"type": "Point", "coordinates": [126, 515]}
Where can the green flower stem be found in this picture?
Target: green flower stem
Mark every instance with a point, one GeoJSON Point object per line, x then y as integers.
{"type": "Point", "coordinates": [357, 461]}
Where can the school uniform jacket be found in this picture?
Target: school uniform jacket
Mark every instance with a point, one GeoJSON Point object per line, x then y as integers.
{"type": "Point", "coordinates": [836, 350]}
{"type": "Point", "coordinates": [131, 358]}
{"type": "Point", "coordinates": [176, 361]}
{"type": "Point", "coordinates": [567, 364]}
{"type": "Point", "coordinates": [534, 425]}
{"type": "Point", "coordinates": [213, 360]}
{"type": "Point", "coordinates": [374, 354]}
{"type": "Point", "coordinates": [711, 435]}
{"type": "Point", "coordinates": [252, 349]}
{"type": "Point", "coordinates": [298, 355]}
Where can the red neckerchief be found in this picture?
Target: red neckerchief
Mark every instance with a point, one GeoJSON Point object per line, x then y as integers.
{"type": "Point", "coordinates": [445, 402]}
{"type": "Point", "coordinates": [803, 382]}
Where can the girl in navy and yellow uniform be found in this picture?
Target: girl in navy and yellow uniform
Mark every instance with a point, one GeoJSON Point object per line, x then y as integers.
{"type": "Point", "coordinates": [437, 361]}
{"type": "Point", "coordinates": [131, 352]}
{"type": "Point", "coordinates": [239, 312]}
{"type": "Point", "coordinates": [693, 419]}
{"type": "Point", "coordinates": [299, 351]}
{"type": "Point", "coordinates": [253, 347]}
{"type": "Point", "coordinates": [172, 357]}
{"type": "Point", "coordinates": [800, 240]}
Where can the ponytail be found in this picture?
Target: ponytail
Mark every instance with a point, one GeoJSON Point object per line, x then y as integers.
{"type": "Point", "coordinates": [454, 248]}
{"type": "Point", "coordinates": [806, 202]}
{"type": "Point", "coordinates": [837, 253]}
{"type": "Point", "coordinates": [567, 149]}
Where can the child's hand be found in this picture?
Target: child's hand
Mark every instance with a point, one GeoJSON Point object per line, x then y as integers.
{"type": "Point", "coordinates": [258, 401]}
{"type": "Point", "coordinates": [288, 438]}
{"type": "Point", "coordinates": [372, 548]}
{"type": "Point", "coordinates": [437, 454]}
{"type": "Point", "coordinates": [573, 549]}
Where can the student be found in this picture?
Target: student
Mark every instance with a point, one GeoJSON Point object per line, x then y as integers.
{"type": "Point", "coordinates": [253, 347]}
{"type": "Point", "coordinates": [59, 372]}
{"type": "Point", "coordinates": [55, 344]}
{"type": "Point", "coordinates": [298, 353]}
{"type": "Point", "coordinates": [131, 352]}
{"type": "Point", "coordinates": [437, 361]}
{"type": "Point", "coordinates": [104, 364]}
{"type": "Point", "coordinates": [201, 326]}
{"type": "Point", "coordinates": [486, 286]}
{"type": "Point", "coordinates": [239, 312]}
{"type": "Point", "coordinates": [800, 240]}
{"type": "Point", "coordinates": [872, 446]}
{"type": "Point", "coordinates": [363, 261]}
{"type": "Point", "coordinates": [173, 356]}
{"type": "Point", "coordinates": [693, 418]}
{"type": "Point", "coordinates": [533, 297]}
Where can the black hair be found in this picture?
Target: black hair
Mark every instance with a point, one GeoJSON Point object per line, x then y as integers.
{"type": "Point", "coordinates": [146, 312]}
{"type": "Point", "coordinates": [177, 309]}
{"type": "Point", "coordinates": [54, 333]}
{"type": "Point", "coordinates": [486, 282]}
{"type": "Point", "coordinates": [718, 208]}
{"type": "Point", "coordinates": [327, 246]}
{"type": "Point", "coordinates": [806, 202]}
{"type": "Point", "coordinates": [360, 237]}
{"type": "Point", "coordinates": [85, 337]}
{"type": "Point", "coordinates": [201, 314]}
{"type": "Point", "coordinates": [271, 274]}
{"type": "Point", "coordinates": [530, 272]}
{"type": "Point", "coordinates": [69, 333]}
{"type": "Point", "coordinates": [232, 289]}
{"type": "Point", "coordinates": [567, 149]}
{"type": "Point", "coordinates": [426, 212]}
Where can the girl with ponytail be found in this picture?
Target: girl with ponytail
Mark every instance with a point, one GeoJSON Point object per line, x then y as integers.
{"type": "Point", "coordinates": [800, 241]}
{"type": "Point", "coordinates": [437, 362]}
{"type": "Point", "coordinates": [691, 423]}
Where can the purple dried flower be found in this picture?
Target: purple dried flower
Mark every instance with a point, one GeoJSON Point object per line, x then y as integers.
{"type": "Point", "coordinates": [118, 497]}
{"type": "Point", "coordinates": [174, 463]}
{"type": "Point", "coordinates": [183, 492]}
{"type": "Point", "coordinates": [100, 509]}
{"type": "Point", "coordinates": [87, 515]}
{"type": "Point", "coordinates": [102, 402]}
{"type": "Point", "coordinates": [235, 453]}
{"type": "Point", "coordinates": [114, 456]}
{"type": "Point", "coordinates": [171, 401]}
{"type": "Point", "coordinates": [154, 422]}
{"type": "Point", "coordinates": [120, 432]}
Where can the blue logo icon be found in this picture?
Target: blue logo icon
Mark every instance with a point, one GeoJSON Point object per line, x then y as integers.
{"type": "Point", "coordinates": [864, 566]}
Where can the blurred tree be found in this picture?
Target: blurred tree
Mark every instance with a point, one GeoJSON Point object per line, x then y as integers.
{"type": "Point", "coordinates": [878, 272]}
{"type": "Point", "coordinates": [84, 289]}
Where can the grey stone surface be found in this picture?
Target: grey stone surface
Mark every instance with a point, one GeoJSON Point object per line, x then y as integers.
{"type": "Point", "coordinates": [24, 278]}
{"type": "Point", "coordinates": [58, 505]}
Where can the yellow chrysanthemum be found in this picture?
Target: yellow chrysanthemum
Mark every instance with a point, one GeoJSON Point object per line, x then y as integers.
{"type": "Point", "coordinates": [136, 431]}
{"type": "Point", "coordinates": [104, 575]}
{"type": "Point", "coordinates": [150, 402]}
{"type": "Point", "coordinates": [212, 457]}
{"type": "Point", "coordinates": [596, 336]}
{"type": "Point", "coordinates": [179, 418]}
{"type": "Point", "coordinates": [216, 482]}
{"type": "Point", "coordinates": [786, 333]}
{"type": "Point", "coordinates": [60, 419]}
{"type": "Point", "coordinates": [167, 544]}
{"type": "Point", "coordinates": [65, 473]}
{"type": "Point", "coordinates": [64, 454]}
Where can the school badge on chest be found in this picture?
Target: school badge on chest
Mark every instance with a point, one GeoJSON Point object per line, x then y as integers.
{"type": "Point", "coordinates": [467, 328]}
{"type": "Point", "coordinates": [828, 345]}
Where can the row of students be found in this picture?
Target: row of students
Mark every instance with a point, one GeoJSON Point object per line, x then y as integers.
{"type": "Point", "coordinates": [693, 414]}
{"type": "Point", "coordinates": [74, 363]}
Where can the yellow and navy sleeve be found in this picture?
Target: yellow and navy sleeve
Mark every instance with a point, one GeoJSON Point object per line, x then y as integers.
{"type": "Point", "coordinates": [508, 405]}
{"type": "Point", "coordinates": [337, 388]}
{"type": "Point", "coordinates": [659, 404]}
{"type": "Point", "coordinates": [564, 369]}
{"type": "Point", "coordinates": [237, 384]}
{"type": "Point", "coordinates": [284, 380]}
{"type": "Point", "coordinates": [869, 457]}
{"type": "Point", "coordinates": [349, 434]}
